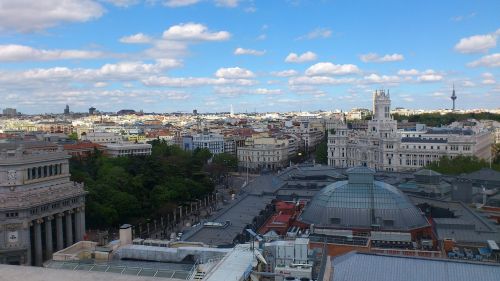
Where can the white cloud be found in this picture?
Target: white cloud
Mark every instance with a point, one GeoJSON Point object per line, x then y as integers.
{"type": "Point", "coordinates": [265, 91]}
{"type": "Point", "coordinates": [122, 71]}
{"type": "Point", "coordinates": [305, 57]}
{"type": "Point", "coordinates": [242, 51]}
{"type": "Point", "coordinates": [25, 53]}
{"type": "Point", "coordinates": [285, 73]}
{"type": "Point", "coordinates": [227, 3]}
{"type": "Point", "coordinates": [467, 83]}
{"type": "Point", "coordinates": [123, 3]}
{"type": "Point", "coordinates": [187, 82]}
{"type": "Point", "coordinates": [138, 38]}
{"type": "Point", "coordinates": [381, 79]}
{"type": "Point", "coordinates": [438, 94]}
{"type": "Point", "coordinates": [477, 43]}
{"type": "Point", "coordinates": [408, 72]}
{"type": "Point", "coordinates": [179, 3]}
{"type": "Point", "coordinates": [373, 57]}
{"type": "Point", "coordinates": [100, 84]}
{"type": "Point", "coordinates": [194, 32]}
{"type": "Point", "coordinates": [218, 3]}
{"type": "Point", "coordinates": [234, 73]}
{"type": "Point", "coordinates": [461, 18]}
{"type": "Point", "coordinates": [319, 80]}
{"type": "Point", "coordinates": [488, 78]}
{"type": "Point", "coordinates": [430, 76]}
{"type": "Point", "coordinates": [492, 60]}
{"type": "Point", "coordinates": [316, 33]}
{"type": "Point", "coordinates": [28, 15]}
{"type": "Point", "coordinates": [232, 92]}
{"type": "Point", "coordinates": [328, 68]}
{"type": "Point", "coordinates": [177, 38]}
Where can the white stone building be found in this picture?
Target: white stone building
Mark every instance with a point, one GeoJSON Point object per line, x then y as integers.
{"type": "Point", "coordinates": [264, 153]}
{"type": "Point", "coordinates": [310, 131]}
{"type": "Point", "coordinates": [383, 147]}
{"type": "Point", "coordinates": [101, 137]}
{"type": "Point", "coordinates": [213, 142]}
{"type": "Point", "coordinates": [41, 210]}
{"type": "Point", "coordinates": [127, 148]}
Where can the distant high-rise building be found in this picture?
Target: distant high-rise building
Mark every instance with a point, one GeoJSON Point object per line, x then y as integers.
{"type": "Point", "coordinates": [195, 111]}
{"type": "Point", "coordinates": [453, 97]}
{"type": "Point", "coordinates": [232, 110]}
{"type": "Point", "coordinates": [66, 110]}
{"type": "Point", "coordinates": [10, 112]}
{"type": "Point", "coordinates": [92, 110]}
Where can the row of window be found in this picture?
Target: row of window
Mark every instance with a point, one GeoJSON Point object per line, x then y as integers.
{"type": "Point", "coordinates": [12, 215]}
{"type": "Point", "coordinates": [135, 151]}
{"type": "Point", "coordinates": [44, 171]}
{"type": "Point", "coordinates": [44, 208]}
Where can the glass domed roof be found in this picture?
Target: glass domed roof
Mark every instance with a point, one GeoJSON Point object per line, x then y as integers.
{"type": "Point", "coordinates": [361, 202]}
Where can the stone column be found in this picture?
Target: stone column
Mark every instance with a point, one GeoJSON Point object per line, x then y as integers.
{"type": "Point", "coordinates": [48, 238]}
{"type": "Point", "coordinates": [59, 232]}
{"type": "Point", "coordinates": [38, 242]}
{"type": "Point", "coordinates": [82, 222]}
{"type": "Point", "coordinates": [78, 235]}
{"type": "Point", "coordinates": [69, 229]}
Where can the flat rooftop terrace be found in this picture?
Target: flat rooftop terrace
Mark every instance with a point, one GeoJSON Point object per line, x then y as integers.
{"type": "Point", "coordinates": [31, 273]}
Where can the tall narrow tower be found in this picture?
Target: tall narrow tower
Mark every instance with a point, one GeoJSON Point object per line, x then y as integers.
{"type": "Point", "coordinates": [453, 97]}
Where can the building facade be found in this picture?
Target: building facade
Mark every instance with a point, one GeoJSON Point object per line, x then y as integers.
{"type": "Point", "coordinates": [213, 142]}
{"type": "Point", "coordinates": [101, 137]}
{"type": "Point", "coordinates": [127, 148]}
{"type": "Point", "coordinates": [41, 210]}
{"type": "Point", "coordinates": [383, 147]}
{"type": "Point", "coordinates": [264, 153]}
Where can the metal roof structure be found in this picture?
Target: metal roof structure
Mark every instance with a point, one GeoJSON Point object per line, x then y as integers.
{"type": "Point", "coordinates": [169, 271]}
{"type": "Point", "coordinates": [485, 176]}
{"type": "Point", "coordinates": [468, 225]}
{"type": "Point", "coordinates": [362, 202]}
{"type": "Point", "coordinates": [32, 273]}
{"type": "Point", "coordinates": [373, 267]}
{"type": "Point", "coordinates": [239, 214]}
{"type": "Point", "coordinates": [426, 172]}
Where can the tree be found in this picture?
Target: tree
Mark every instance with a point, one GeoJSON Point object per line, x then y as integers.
{"type": "Point", "coordinates": [321, 153]}
{"type": "Point", "coordinates": [229, 161]}
{"type": "Point", "coordinates": [135, 188]}
{"type": "Point", "coordinates": [73, 136]}
{"type": "Point", "coordinates": [459, 164]}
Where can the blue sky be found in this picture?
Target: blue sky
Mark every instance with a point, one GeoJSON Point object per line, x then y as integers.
{"type": "Point", "coordinates": [279, 55]}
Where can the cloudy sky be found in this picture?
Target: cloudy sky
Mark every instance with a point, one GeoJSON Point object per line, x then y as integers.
{"type": "Point", "coordinates": [279, 55]}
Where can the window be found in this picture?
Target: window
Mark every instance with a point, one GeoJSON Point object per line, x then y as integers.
{"type": "Point", "coordinates": [335, 220]}
{"type": "Point", "coordinates": [388, 223]}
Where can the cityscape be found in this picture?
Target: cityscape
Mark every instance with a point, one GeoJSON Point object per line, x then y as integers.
{"type": "Point", "coordinates": [249, 140]}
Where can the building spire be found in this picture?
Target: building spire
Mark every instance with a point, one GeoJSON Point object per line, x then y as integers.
{"type": "Point", "coordinates": [453, 97]}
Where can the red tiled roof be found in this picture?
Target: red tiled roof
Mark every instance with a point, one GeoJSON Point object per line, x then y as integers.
{"type": "Point", "coordinates": [282, 218]}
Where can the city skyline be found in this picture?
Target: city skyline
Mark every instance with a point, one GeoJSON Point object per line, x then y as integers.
{"type": "Point", "coordinates": [180, 55]}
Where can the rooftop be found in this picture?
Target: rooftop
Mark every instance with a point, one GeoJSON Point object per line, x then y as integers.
{"type": "Point", "coordinates": [31, 273]}
{"type": "Point", "coordinates": [361, 202]}
{"type": "Point", "coordinates": [396, 268]}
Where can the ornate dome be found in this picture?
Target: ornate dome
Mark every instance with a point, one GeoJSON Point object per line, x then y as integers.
{"type": "Point", "coordinates": [361, 202]}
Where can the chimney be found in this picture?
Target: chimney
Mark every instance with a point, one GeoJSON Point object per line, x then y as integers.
{"type": "Point", "coordinates": [125, 234]}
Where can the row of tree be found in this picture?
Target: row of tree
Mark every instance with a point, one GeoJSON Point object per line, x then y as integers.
{"type": "Point", "coordinates": [436, 119]}
{"type": "Point", "coordinates": [461, 164]}
{"type": "Point", "coordinates": [135, 188]}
